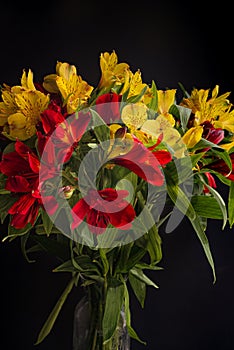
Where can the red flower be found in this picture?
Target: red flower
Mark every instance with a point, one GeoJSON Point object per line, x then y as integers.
{"type": "Point", "coordinates": [109, 208]}
{"type": "Point", "coordinates": [22, 168]}
{"type": "Point", "coordinates": [107, 106]}
{"type": "Point", "coordinates": [221, 167]}
{"type": "Point", "coordinates": [64, 133]}
{"type": "Point", "coordinates": [144, 163]}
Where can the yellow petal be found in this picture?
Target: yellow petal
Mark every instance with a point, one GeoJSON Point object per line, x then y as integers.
{"type": "Point", "coordinates": [27, 81]}
{"type": "Point", "coordinates": [227, 146]}
{"type": "Point", "coordinates": [65, 70]}
{"type": "Point", "coordinates": [134, 115]}
{"type": "Point", "coordinates": [49, 83]}
{"type": "Point", "coordinates": [17, 124]}
{"type": "Point", "coordinates": [192, 136]}
{"type": "Point", "coordinates": [165, 100]}
{"type": "Point", "coordinates": [225, 121]}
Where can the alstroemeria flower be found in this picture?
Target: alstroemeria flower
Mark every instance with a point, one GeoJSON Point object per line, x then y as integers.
{"type": "Point", "coordinates": [134, 85]}
{"type": "Point", "coordinates": [22, 170]}
{"type": "Point", "coordinates": [112, 71]}
{"type": "Point", "coordinates": [162, 128]}
{"type": "Point", "coordinates": [144, 163]}
{"type": "Point", "coordinates": [21, 108]}
{"type": "Point", "coordinates": [108, 107]}
{"type": "Point", "coordinates": [103, 208]}
{"type": "Point", "coordinates": [74, 90]}
{"type": "Point", "coordinates": [63, 133]}
{"type": "Point", "coordinates": [214, 109]}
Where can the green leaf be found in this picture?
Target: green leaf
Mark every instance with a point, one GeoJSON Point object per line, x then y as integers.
{"type": "Point", "coordinates": [181, 200]}
{"type": "Point", "coordinates": [204, 143]}
{"type": "Point", "coordinates": [101, 130]}
{"type": "Point", "coordinates": [23, 241]}
{"type": "Point", "coordinates": [207, 207]}
{"type": "Point", "coordinates": [231, 204]}
{"type": "Point", "coordinates": [131, 331]}
{"type": "Point", "coordinates": [14, 233]}
{"type": "Point", "coordinates": [129, 256]}
{"type": "Point", "coordinates": [196, 223]}
{"type": "Point", "coordinates": [138, 273]}
{"type": "Point", "coordinates": [48, 325]}
{"type": "Point", "coordinates": [219, 200]}
{"type": "Point", "coordinates": [47, 222]}
{"type": "Point", "coordinates": [184, 114]}
{"type": "Point", "coordinates": [105, 261]}
{"type": "Point", "coordinates": [139, 289]}
{"type": "Point", "coordinates": [137, 98]}
{"type": "Point", "coordinates": [6, 201]}
{"type": "Point", "coordinates": [113, 306]}
{"type": "Point", "coordinates": [82, 264]}
{"type": "Point", "coordinates": [52, 246]}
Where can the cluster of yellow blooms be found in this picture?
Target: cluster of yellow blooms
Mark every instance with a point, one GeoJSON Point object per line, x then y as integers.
{"type": "Point", "coordinates": [22, 105]}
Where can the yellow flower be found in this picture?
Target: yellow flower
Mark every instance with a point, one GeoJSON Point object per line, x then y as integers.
{"type": "Point", "coordinates": [73, 89]}
{"type": "Point", "coordinates": [192, 136]}
{"type": "Point", "coordinates": [161, 127]}
{"type": "Point", "coordinates": [133, 84]}
{"type": "Point", "coordinates": [205, 108]}
{"type": "Point", "coordinates": [134, 115]}
{"type": "Point", "coordinates": [166, 98]}
{"type": "Point", "coordinates": [111, 70]}
{"type": "Point", "coordinates": [64, 70]}
{"type": "Point", "coordinates": [21, 108]}
{"type": "Point", "coordinates": [225, 121]}
{"type": "Point", "coordinates": [8, 104]}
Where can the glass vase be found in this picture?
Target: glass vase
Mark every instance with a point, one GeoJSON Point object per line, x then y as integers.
{"type": "Point", "coordinates": [87, 332]}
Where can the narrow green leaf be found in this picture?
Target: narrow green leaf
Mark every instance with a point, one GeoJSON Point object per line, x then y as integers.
{"type": "Point", "coordinates": [23, 242]}
{"type": "Point", "coordinates": [181, 200]}
{"type": "Point", "coordinates": [184, 113]}
{"type": "Point", "coordinates": [205, 243]}
{"type": "Point", "coordinates": [137, 98]}
{"type": "Point", "coordinates": [48, 325]}
{"type": "Point", "coordinates": [139, 289]}
{"type": "Point", "coordinates": [231, 204]}
{"type": "Point", "coordinates": [47, 222]}
{"type": "Point", "coordinates": [114, 303]}
{"type": "Point", "coordinates": [6, 201]}
{"type": "Point", "coordinates": [105, 261]}
{"type": "Point", "coordinates": [131, 331]}
{"type": "Point", "coordinates": [138, 273]}
{"type": "Point", "coordinates": [207, 207]}
{"type": "Point", "coordinates": [219, 200]}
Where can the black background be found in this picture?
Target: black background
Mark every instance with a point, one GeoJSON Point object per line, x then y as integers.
{"type": "Point", "coordinates": [170, 42]}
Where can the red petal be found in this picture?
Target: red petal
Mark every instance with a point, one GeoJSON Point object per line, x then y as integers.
{"type": "Point", "coordinates": [17, 184]}
{"type": "Point", "coordinates": [79, 211]}
{"type": "Point", "coordinates": [22, 205]}
{"type": "Point", "coordinates": [123, 219]}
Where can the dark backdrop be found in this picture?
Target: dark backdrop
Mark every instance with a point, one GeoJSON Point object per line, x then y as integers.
{"type": "Point", "coordinates": [170, 42]}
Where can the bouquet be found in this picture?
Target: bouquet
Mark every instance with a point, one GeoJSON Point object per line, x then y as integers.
{"type": "Point", "coordinates": [93, 174]}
